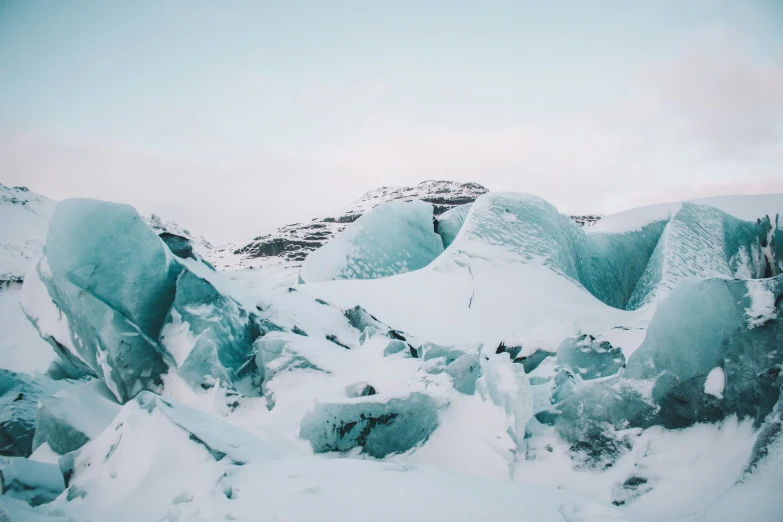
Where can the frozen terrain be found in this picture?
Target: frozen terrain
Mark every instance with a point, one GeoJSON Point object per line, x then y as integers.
{"type": "Point", "coordinates": [291, 244]}
{"type": "Point", "coordinates": [490, 360]}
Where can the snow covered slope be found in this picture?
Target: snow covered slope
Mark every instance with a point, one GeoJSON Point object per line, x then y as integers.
{"type": "Point", "coordinates": [24, 217]}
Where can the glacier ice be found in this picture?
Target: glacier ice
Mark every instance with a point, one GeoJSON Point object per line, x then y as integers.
{"type": "Point", "coordinates": [210, 336]}
{"type": "Point", "coordinates": [702, 241]}
{"type": "Point", "coordinates": [412, 367]}
{"type": "Point", "coordinates": [393, 238]}
{"type": "Point", "coordinates": [450, 223]}
{"type": "Point", "coordinates": [112, 280]}
{"type": "Point", "coordinates": [590, 358]}
{"type": "Point", "coordinates": [379, 426]}
{"type": "Point", "coordinates": [506, 384]}
{"type": "Point", "coordinates": [179, 246]}
{"type": "Point", "coordinates": [71, 417]}
{"type": "Point", "coordinates": [120, 306]}
{"type": "Point", "coordinates": [19, 395]}
{"type": "Point", "coordinates": [460, 362]}
{"type": "Point", "coordinates": [701, 326]}
{"type": "Point", "coordinates": [30, 481]}
{"type": "Point", "coordinates": [106, 249]}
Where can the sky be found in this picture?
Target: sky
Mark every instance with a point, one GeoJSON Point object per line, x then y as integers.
{"type": "Point", "coordinates": [234, 118]}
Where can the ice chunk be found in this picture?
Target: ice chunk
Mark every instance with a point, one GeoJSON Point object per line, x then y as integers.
{"type": "Point", "coordinates": [465, 370]}
{"type": "Point", "coordinates": [459, 362]}
{"type": "Point", "coordinates": [179, 246]}
{"type": "Point", "coordinates": [110, 282]}
{"type": "Point", "coordinates": [589, 358]}
{"type": "Point", "coordinates": [30, 481]}
{"type": "Point", "coordinates": [506, 384]}
{"type": "Point", "coordinates": [393, 238]}
{"type": "Point", "coordinates": [103, 339]}
{"type": "Point", "coordinates": [395, 346]}
{"type": "Point", "coordinates": [107, 250]}
{"type": "Point", "coordinates": [210, 336]}
{"type": "Point", "coordinates": [450, 223]}
{"type": "Point", "coordinates": [378, 425]}
{"type": "Point", "coordinates": [70, 418]}
{"type": "Point", "coordinates": [748, 356]}
{"type": "Point", "coordinates": [665, 379]}
{"type": "Point", "coordinates": [19, 394]}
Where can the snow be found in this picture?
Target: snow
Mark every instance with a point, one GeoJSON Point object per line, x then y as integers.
{"type": "Point", "coordinates": [762, 307]}
{"type": "Point", "coordinates": [715, 383]}
{"type": "Point", "coordinates": [24, 218]}
{"type": "Point", "coordinates": [21, 347]}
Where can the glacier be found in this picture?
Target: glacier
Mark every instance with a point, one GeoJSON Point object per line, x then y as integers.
{"type": "Point", "coordinates": [520, 368]}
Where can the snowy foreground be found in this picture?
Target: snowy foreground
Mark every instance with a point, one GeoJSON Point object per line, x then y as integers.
{"type": "Point", "coordinates": [498, 363]}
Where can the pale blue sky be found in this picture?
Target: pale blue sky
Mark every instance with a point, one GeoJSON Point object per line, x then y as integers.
{"type": "Point", "coordinates": [237, 117]}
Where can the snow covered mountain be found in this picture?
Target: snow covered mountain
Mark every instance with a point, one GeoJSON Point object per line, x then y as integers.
{"type": "Point", "coordinates": [506, 364]}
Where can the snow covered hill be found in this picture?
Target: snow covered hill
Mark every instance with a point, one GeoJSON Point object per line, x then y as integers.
{"type": "Point", "coordinates": [24, 216]}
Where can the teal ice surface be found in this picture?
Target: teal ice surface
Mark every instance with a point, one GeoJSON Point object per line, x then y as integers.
{"type": "Point", "coordinates": [221, 333]}
{"type": "Point", "coordinates": [106, 340]}
{"type": "Point", "coordinates": [380, 427]}
{"type": "Point", "coordinates": [30, 481]}
{"type": "Point", "coordinates": [19, 395]}
{"type": "Point", "coordinates": [450, 223]}
{"type": "Point", "coordinates": [106, 249]}
{"type": "Point", "coordinates": [67, 420]}
{"type": "Point", "coordinates": [703, 325]}
{"type": "Point", "coordinates": [625, 270]}
{"type": "Point", "coordinates": [701, 242]}
{"type": "Point", "coordinates": [393, 238]}
{"type": "Point", "coordinates": [589, 358]}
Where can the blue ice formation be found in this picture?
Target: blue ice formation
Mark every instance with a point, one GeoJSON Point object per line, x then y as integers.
{"type": "Point", "coordinates": [115, 303]}
{"type": "Point", "coordinates": [450, 223]}
{"type": "Point", "coordinates": [590, 358]}
{"type": "Point", "coordinates": [210, 336]}
{"type": "Point", "coordinates": [70, 418]}
{"type": "Point", "coordinates": [393, 238]}
{"type": "Point", "coordinates": [379, 425]}
{"type": "Point", "coordinates": [711, 350]}
{"type": "Point", "coordinates": [701, 242]}
{"type": "Point", "coordinates": [30, 481]}
{"type": "Point", "coordinates": [626, 269]}
{"type": "Point", "coordinates": [19, 395]}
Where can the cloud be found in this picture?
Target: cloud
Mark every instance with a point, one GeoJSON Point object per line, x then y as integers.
{"type": "Point", "coordinates": [723, 96]}
{"type": "Point", "coordinates": [705, 123]}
